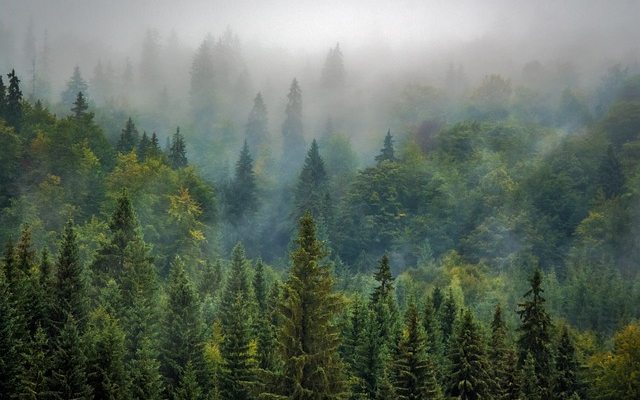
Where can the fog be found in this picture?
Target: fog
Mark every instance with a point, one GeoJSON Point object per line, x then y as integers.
{"type": "Point", "coordinates": [386, 45]}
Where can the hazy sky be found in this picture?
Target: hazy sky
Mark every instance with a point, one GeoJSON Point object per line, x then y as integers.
{"type": "Point", "coordinates": [298, 23]}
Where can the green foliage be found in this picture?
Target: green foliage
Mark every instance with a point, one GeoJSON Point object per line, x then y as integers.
{"type": "Point", "coordinates": [292, 130]}
{"type": "Point", "coordinates": [386, 153]}
{"type": "Point", "coordinates": [128, 137]}
{"type": "Point", "coordinates": [178, 151]}
{"type": "Point", "coordinates": [241, 199]}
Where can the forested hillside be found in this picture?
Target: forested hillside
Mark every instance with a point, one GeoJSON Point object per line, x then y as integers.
{"type": "Point", "coordinates": [486, 245]}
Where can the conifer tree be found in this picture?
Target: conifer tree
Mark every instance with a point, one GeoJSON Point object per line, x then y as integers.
{"type": "Point", "coordinates": [189, 388]}
{"type": "Point", "coordinates": [242, 199]}
{"type": "Point", "coordinates": [70, 288]}
{"type": "Point", "coordinates": [144, 147]}
{"type": "Point", "coordinates": [311, 190]}
{"type": "Point", "coordinates": [182, 336]}
{"type": "Point", "coordinates": [262, 326]}
{"type": "Point", "coordinates": [333, 71]}
{"type": "Point", "coordinates": [3, 99]}
{"type": "Point", "coordinates": [13, 109]}
{"type": "Point", "coordinates": [434, 345]}
{"type": "Point", "coordinates": [292, 131]}
{"type": "Point", "coordinates": [535, 336]}
{"type": "Point", "coordinates": [154, 147]}
{"type": "Point", "coordinates": [177, 151]}
{"type": "Point", "coordinates": [10, 347]}
{"type": "Point", "coordinates": [75, 85]}
{"type": "Point", "coordinates": [211, 281]}
{"type": "Point", "coordinates": [448, 314]}
{"type": "Point", "coordinates": [257, 129]}
{"type": "Point", "coordinates": [308, 337]}
{"type": "Point", "coordinates": [371, 355]}
{"type": "Point", "coordinates": [530, 388]}
{"type": "Point", "coordinates": [238, 370]}
{"type": "Point", "coordinates": [413, 372]}
{"type": "Point", "coordinates": [128, 137]}
{"type": "Point", "coordinates": [107, 372]}
{"type": "Point", "coordinates": [35, 380]}
{"type": "Point", "coordinates": [468, 376]}
{"type": "Point", "coordinates": [565, 385]}
{"type": "Point", "coordinates": [69, 363]}
{"type": "Point", "coordinates": [383, 304]}
{"type": "Point", "coordinates": [387, 152]}
{"type": "Point", "coordinates": [610, 175]}
{"type": "Point", "coordinates": [80, 107]}
{"type": "Point", "coordinates": [146, 380]}
{"type": "Point", "coordinates": [504, 382]}
{"type": "Point", "coordinates": [202, 92]}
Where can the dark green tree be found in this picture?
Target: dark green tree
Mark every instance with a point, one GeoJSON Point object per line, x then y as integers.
{"type": "Point", "coordinates": [75, 85]}
{"type": "Point", "coordinates": [13, 112]}
{"type": "Point", "coordinates": [468, 376]}
{"type": "Point", "coordinates": [238, 373]}
{"type": "Point", "coordinates": [566, 381]}
{"type": "Point", "coordinates": [257, 128]}
{"type": "Point", "coordinates": [3, 99]}
{"type": "Point", "coordinates": [293, 142]}
{"type": "Point", "coordinates": [431, 327]}
{"type": "Point", "coordinates": [308, 338]}
{"type": "Point", "coordinates": [530, 387]}
{"type": "Point", "coordinates": [387, 152]}
{"type": "Point", "coordinates": [69, 363]}
{"type": "Point", "coordinates": [70, 290]}
{"type": "Point", "coordinates": [535, 334]}
{"type": "Point", "coordinates": [610, 175]}
{"type": "Point", "coordinates": [383, 304]}
{"type": "Point", "coordinates": [189, 388]}
{"type": "Point", "coordinates": [413, 372]}
{"type": "Point", "coordinates": [371, 355]}
{"type": "Point", "coordinates": [447, 316]}
{"type": "Point", "coordinates": [80, 107]}
{"type": "Point", "coordinates": [177, 151]}
{"type": "Point", "coordinates": [10, 346]}
{"type": "Point", "coordinates": [312, 192]}
{"type": "Point", "coordinates": [146, 380]}
{"type": "Point", "coordinates": [241, 196]}
{"type": "Point", "coordinates": [502, 361]}
{"type": "Point", "coordinates": [106, 368]}
{"type": "Point", "coordinates": [263, 328]}
{"type": "Point", "coordinates": [128, 137]}
{"type": "Point", "coordinates": [182, 337]}
{"type": "Point", "coordinates": [35, 380]}
{"type": "Point", "coordinates": [144, 147]}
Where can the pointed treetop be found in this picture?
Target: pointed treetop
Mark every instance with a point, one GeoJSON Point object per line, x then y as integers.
{"type": "Point", "coordinates": [387, 152]}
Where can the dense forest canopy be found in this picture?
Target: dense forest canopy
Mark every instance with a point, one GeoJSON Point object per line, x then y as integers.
{"type": "Point", "coordinates": [204, 215]}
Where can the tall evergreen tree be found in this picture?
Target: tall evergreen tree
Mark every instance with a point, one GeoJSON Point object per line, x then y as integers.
{"type": "Point", "coordinates": [383, 304]}
{"type": "Point", "coordinates": [178, 151]}
{"type": "Point", "coordinates": [69, 363]}
{"type": "Point", "coordinates": [565, 385]}
{"type": "Point", "coordinates": [257, 128]}
{"type": "Point", "coordinates": [189, 388]}
{"type": "Point", "coordinates": [535, 336]}
{"type": "Point", "coordinates": [242, 199]}
{"type": "Point", "coordinates": [144, 147]}
{"type": "Point", "coordinates": [203, 89]}
{"type": "Point", "coordinates": [308, 337]}
{"type": "Point", "coordinates": [10, 346]}
{"type": "Point", "coordinates": [183, 331]}
{"type": "Point", "coordinates": [80, 107]}
{"type": "Point", "coordinates": [504, 382]}
{"type": "Point", "coordinates": [3, 99]}
{"type": "Point", "coordinates": [75, 85]}
{"type": "Point", "coordinates": [35, 380]}
{"type": "Point", "coordinates": [13, 109]}
{"type": "Point", "coordinates": [413, 372]}
{"type": "Point", "coordinates": [371, 355]}
{"type": "Point", "coordinates": [128, 137]}
{"type": "Point", "coordinates": [238, 371]}
{"type": "Point", "coordinates": [448, 314]}
{"type": "Point", "coordinates": [333, 74]}
{"type": "Point", "coordinates": [292, 130]}
{"type": "Point", "coordinates": [312, 188]}
{"type": "Point", "coordinates": [146, 380]}
{"type": "Point", "coordinates": [468, 376]}
{"type": "Point", "coordinates": [387, 152]}
{"type": "Point", "coordinates": [610, 175]}
{"type": "Point", "coordinates": [70, 289]}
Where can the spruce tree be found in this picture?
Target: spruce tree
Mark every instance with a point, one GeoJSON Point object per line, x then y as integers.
{"type": "Point", "coordinates": [75, 85]}
{"type": "Point", "coordinates": [80, 107]}
{"type": "Point", "coordinates": [3, 99]}
{"type": "Point", "coordinates": [177, 151]}
{"type": "Point", "coordinates": [13, 110]}
{"type": "Point", "coordinates": [468, 376]}
{"type": "Point", "coordinates": [70, 287]}
{"type": "Point", "coordinates": [189, 388]}
{"type": "Point", "coordinates": [565, 385]}
{"type": "Point", "coordinates": [610, 175]}
{"type": "Point", "coordinates": [293, 143]}
{"type": "Point", "coordinates": [504, 381]}
{"type": "Point", "coordinates": [387, 152]}
{"type": "Point", "coordinates": [333, 71]}
{"type": "Point", "coordinates": [69, 363]}
{"type": "Point", "coordinates": [262, 324]}
{"type": "Point", "coordinates": [384, 306]}
{"type": "Point", "coordinates": [308, 337]}
{"type": "Point", "coordinates": [146, 380]}
{"type": "Point", "coordinates": [10, 346]}
{"type": "Point", "coordinates": [257, 129]}
{"type": "Point", "coordinates": [35, 380]}
{"type": "Point", "coordinates": [413, 372]}
{"type": "Point", "coordinates": [183, 331]}
{"type": "Point", "coordinates": [241, 196]}
{"type": "Point", "coordinates": [535, 334]}
{"type": "Point", "coordinates": [144, 147]}
{"type": "Point", "coordinates": [128, 137]}
{"type": "Point", "coordinates": [371, 355]}
{"type": "Point", "coordinates": [312, 192]}
{"type": "Point", "coordinates": [431, 327]}
{"type": "Point", "coordinates": [530, 387]}
{"type": "Point", "coordinates": [447, 316]}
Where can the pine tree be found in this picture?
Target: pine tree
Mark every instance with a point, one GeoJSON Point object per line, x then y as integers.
{"type": "Point", "coordinates": [238, 370]}
{"type": "Point", "coordinates": [504, 382]}
{"type": "Point", "coordinates": [107, 372]}
{"type": "Point", "coordinates": [610, 175]}
{"type": "Point", "coordinates": [75, 85]}
{"type": "Point", "coordinates": [257, 129]}
{"type": "Point", "coordinates": [468, 376]}
{"type": "Point", "coordinates": [10, 347]}
{"type": "Point", "coordinates": [146, 380]}
{"type": "Point", "coordinates": [383, 304]}
{"type": "Point", "coordinates": [262, 324]}
{"type": "Point", "coordinates": [69, 363]}
{"type": "Point", "coordinates": [128, 137]}
{"type": "Point", "coordinates": [413, 372]}
{"type": "Point", "coordinates": [242, 199]}
{"type": "Point", "coordinates": [434, 337]}
{"type": "Point", "coordinates": [70, 288]}
{"type": "Point", "coordinates": [448, 314]}
{"type": "Point", "coordinates": [312, 187]}
{"type": "Point", "coordinates": [371, 355]}
{"type": "Point", "coordinates": [3, 99]}
{"type": "Point", "coordinates": [144, 147]}
{"type": "Point", "coordinates": [387, 152]}
{"type": "Point", "coordinates": [530, 388]}
{"type": "Point", "coordinates": [34, 381]}
{"type": "Point", "coordinates": [565, 385]}
{"type": "Point", "coordinates": [80, 107]}
{"type": "Point", "coordinates": [189, 388]}
{"type": "Point", "coordinates": [13, 109]}
{"type": "Point", "coordinates": [177, 151]}
{"type": "Point", "coordinates": [308, 338]}
{"type": "Point", "coordinates": [183, 331]}
{"type": "Point", "coordinates": [535, 336]}
{"type": "Point", "coordinates": [292, 131]}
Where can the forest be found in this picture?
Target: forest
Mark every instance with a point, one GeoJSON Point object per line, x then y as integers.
{"type": "Point", "coordinates": [192, 225]}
